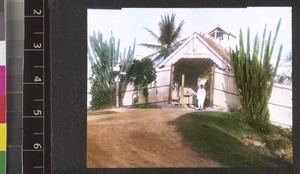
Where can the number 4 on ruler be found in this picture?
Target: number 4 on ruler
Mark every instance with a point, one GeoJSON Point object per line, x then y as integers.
{"type": "Point", "coordinates": [37, 79]}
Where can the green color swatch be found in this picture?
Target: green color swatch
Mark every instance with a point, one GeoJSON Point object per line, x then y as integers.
{"type": "Point", "coordinates": [2, 162]}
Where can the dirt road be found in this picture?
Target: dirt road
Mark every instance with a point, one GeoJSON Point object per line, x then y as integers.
{"type": "Point", "coordinates": [139, 138]}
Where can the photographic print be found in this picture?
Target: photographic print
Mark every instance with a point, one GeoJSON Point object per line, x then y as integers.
{"type": "Point", "coordinates": [189, 87]}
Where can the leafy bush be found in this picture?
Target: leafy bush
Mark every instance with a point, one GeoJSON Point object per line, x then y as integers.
{"type": "Point", "coordinates": [142, 73]}
{"type": "Point", "coordinates": [101, 97]}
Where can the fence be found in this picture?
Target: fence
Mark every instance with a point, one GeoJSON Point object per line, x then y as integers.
{"type": "Point", "coordinates": [158, 90]}
{"type": "Point", "coordinates": [225, 95]}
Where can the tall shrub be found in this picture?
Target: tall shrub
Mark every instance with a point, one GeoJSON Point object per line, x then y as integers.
{"type": "Point", "coordinates": [254, 77]}
{"type": "Point", "coordinates": [142, 73]}
{"type": "Point", "coordinates": [103, 56]}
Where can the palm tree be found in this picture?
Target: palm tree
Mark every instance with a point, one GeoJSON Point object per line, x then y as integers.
{"type": "Point", "coordinates": [167, 38]}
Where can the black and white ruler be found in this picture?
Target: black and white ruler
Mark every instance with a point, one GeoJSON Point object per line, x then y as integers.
{"type": "Point", "coordinates": [34, 88]}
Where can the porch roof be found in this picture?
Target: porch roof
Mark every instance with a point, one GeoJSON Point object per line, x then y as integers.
{"type": "Point", "coordinates": [199, 46]}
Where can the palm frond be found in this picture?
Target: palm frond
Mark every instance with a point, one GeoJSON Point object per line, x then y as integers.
{"type": "Point", "coordinates": [150, 56]}
{"type": "Point", "coordinates": [177, 32]}
{"type": "Point", "coordinates": [152, 33]}
{"type": "Point", "coordinates": [152, 46]}
{"type": "Point", "coordinates": [159, 56]}
{"type": "Point", "coordinates": [168, 35]}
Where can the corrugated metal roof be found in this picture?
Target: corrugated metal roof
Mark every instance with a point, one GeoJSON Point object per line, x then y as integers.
{"type": "Point", "coordinates": [217, 48]}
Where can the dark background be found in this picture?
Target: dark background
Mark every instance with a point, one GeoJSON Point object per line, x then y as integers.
{"type": "Point", "coordinates": [2, 26]}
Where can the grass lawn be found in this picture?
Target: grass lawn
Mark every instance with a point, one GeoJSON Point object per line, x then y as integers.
{"type": "Point", "coordinates": [233, 143]}
{"type": "Point", "coordinates": [146, 106]}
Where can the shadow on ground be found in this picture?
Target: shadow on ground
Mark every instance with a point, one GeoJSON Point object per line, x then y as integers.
{"type": "Point", "coordinates": [97, 113]}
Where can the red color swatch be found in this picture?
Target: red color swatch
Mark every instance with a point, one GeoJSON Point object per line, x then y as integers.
{"type": "Point", "coordinates": [2, 109]}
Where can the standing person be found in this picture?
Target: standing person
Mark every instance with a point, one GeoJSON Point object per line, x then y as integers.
{"type": "Point", "coordinates": [201, 93]}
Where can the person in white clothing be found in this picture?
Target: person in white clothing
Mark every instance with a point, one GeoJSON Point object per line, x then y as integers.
{"type": "Point", "coordinates": [201, 93]}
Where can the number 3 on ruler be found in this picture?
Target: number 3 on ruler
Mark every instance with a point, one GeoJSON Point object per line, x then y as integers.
{"type": "Point", "coordinates": [37, 12]}
{"type": "Point", "coordinates": [37, 45]}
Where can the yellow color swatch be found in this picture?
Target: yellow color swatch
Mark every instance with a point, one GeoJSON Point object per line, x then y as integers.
{"type": "Point", "coordinates": [2, 137]}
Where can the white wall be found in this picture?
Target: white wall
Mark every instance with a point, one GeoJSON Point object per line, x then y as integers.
{"type": "Point", "coordinates": [280, 103]}
{"type": "Point", "coordinates": [225, 91]}
{"type": "Point", "coordinates": [128, 97]}
{"type": "Point", "coordinates": [2, 53]}
{"type": "Point", "coordinates": [158, 92]}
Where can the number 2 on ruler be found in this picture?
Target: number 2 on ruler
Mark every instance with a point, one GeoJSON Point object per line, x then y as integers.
{"type": "Point", "coordinates": [37, 12]}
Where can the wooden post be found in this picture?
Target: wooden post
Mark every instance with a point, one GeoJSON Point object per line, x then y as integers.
{"type": "Point", "coordinates": [117, 80]}
{"type": "Point", "coordinates": [212, 86]}
{"type": "Point", "coordinates": [171, 84]}
{"type": "Point", "coordinates": [182, 90]}
{"type": "Point", "coordinates": [117, 94]}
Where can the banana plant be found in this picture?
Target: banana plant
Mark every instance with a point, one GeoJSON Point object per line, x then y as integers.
{"type": "Point", "coordinates": [254, 75]}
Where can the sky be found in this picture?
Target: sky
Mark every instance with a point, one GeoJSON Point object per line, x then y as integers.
{"type": "Point", "coordinates": [129, 24]}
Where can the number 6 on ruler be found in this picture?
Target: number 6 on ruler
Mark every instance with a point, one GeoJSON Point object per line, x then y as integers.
{"type": "Point", "coordinates": [37, 146]}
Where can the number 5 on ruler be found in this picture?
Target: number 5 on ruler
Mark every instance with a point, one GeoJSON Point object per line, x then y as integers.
{"type": "Point", "coordinates": [37, 112]}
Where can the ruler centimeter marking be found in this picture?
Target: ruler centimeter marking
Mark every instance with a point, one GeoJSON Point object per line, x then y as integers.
{"type": "Point", "coordinates": [34, 88]}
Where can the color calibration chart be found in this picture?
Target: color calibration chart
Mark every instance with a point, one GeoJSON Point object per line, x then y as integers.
{"type": "Point", "coordinates": [22, 87]}
{"type": "Point", "coordinates": [14, 36]}
{"type": "Point", "coordinates": [22, 104]}
{"type": "Point", "coordinates": [3, 125]}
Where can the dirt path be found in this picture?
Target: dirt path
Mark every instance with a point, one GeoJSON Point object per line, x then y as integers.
{"type": "Point", "coordinates": [139, 138]}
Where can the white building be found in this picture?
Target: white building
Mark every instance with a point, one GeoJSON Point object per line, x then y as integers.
{"type": "Point", "coordinates": [180, 73]}
{"type": "Point", "coordinates": [184, 67]}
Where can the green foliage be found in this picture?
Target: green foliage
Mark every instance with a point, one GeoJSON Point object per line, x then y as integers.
{"type": "Point", "coordinates": [226, 140]}
{"type": "Point", "coordinates": [288, 58]}
{"type": "Point", "coordinates": [254, 77]}
{"type": "Point", "coordinates": [238, 115]}
{"type": "Point", "coordinates": [167, 38]}
{"type": "Point", "coordinates": [103, 56]}
{"type": "Point", "coordinates": [147, 106]}
{"type": "Point", "coordinates": [142, 73]}
{"type": "Point", "coordinates": [101, 97]}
